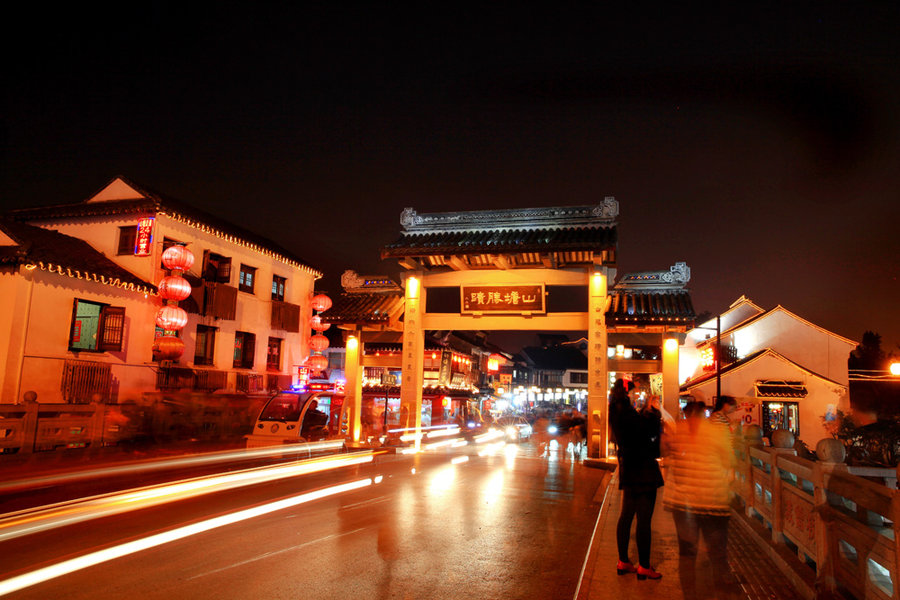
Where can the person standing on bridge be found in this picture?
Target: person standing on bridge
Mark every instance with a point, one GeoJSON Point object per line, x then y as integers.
{"type": "Point", "coordinates": [699, 459]}
{"type": "Point", "coordinates": [637, 437]}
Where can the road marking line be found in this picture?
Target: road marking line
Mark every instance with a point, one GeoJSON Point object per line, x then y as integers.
{"type": "Point", "coordinates": [66, 567]}
{"type": "Point", "coordinates": [276, 553]}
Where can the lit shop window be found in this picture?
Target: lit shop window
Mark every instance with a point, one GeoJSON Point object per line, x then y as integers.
{"type": "Point", "coordinates": [245, 279]}
{"type": "Point", "coordinates": [96, 327]}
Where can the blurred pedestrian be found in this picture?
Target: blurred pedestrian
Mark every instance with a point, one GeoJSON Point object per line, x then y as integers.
{"type": "Point", "coordinates": [637, 437]}
{"type": "Point", "coordinates": [724, 408]}
{"type": "Point", "coordinates": [699, 461]}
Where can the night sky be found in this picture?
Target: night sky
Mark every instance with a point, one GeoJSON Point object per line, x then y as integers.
{"type": "Point", "coordinates": [760, 145]}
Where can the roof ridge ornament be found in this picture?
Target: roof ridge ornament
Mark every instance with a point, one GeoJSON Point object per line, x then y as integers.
{"type": "Point", "coordinates": [674, 279]}
{"type": "Point", "coordinates": [554, 217]}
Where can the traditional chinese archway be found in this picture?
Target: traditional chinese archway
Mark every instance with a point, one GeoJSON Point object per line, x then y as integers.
{"type": "Point", "coordinates": [502, 262]}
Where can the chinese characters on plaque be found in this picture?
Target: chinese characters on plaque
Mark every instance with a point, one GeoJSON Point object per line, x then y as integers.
{"type": "Point", "coordinates": [498, 299]}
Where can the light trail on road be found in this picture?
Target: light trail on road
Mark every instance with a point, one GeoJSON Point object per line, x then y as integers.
{"type": "Point", "coordinates": [156, 464]}
{"type": "Point", "coordinates": [41, 519]}
{"type": "Point", "coordinates": [32, 578]}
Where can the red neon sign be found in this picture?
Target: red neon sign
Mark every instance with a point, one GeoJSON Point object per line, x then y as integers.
{"type": "Point", "coordinates": [143, 240]}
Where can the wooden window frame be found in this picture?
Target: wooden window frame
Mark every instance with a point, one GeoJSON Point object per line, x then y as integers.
{"type": "Point", "coordinates": [243, 362]}
{"type": "Point", "coordinates": [279, 286]}
{"type": "Point", "coordinates": [208, 357]}
{"type": "Point", "coordinates": [110, 327]}
{"type": "Point", "coordinates": [269, 365]}
{"type": "Point", "coordinates": [129, 233]}
{"type": "Point", "coordinates": [242, 275]}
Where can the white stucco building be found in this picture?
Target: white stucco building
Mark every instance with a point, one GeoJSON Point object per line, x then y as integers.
{"type": "Point", "coordinates": [78, 301]}
{"type": "Point", "coordinates": [784, 370]}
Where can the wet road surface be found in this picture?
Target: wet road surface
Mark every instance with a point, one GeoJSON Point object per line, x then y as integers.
{"type": "Point", "coordinates": [443, 524]}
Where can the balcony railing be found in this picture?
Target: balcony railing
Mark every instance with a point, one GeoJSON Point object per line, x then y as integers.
{"type": "Point", "coordinates": [183, 378]}
{"type": "Point", "coordinates": [250, 383]}
{"type": "Point", "coordinates": [82, 380]}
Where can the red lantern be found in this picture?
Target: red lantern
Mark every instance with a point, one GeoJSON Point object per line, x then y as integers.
{"type": "Point", "coordinates": [318, 342]}
{"type": "Point", "coordinates": [168, 347]}
{"type": "Point", "coordinates": [320, 302]}
{"type": "Point", "coordinates": [178, 258]}
{"type": "Point", "coordinates": [316, 323]}
{"type": "Point", "coordinates": [317, 362]}
{"type": "Point", "coordinates": [174, 287]}
{"type": "Point", "coordinates": [171, 318]}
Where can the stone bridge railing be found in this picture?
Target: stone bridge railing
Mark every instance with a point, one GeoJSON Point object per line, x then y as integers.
{"type": "Point", "coordinates": [841, 522]}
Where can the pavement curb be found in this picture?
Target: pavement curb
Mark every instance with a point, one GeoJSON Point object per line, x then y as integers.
{"type": "Point", "coordinates": [590, 559]}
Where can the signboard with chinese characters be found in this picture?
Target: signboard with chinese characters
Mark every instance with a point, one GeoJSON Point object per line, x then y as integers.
{"type": "Point", "coordinates": [502, 299]}
{"type": "Point", "coordinates": [143, 239]}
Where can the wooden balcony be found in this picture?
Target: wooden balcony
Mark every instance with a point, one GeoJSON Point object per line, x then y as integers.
{"type": "Point", "coordinates": [219, 300]}
{"type": "Point", "coordinates": [285, 316]}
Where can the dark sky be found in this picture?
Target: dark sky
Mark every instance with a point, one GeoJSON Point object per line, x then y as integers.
{"type": "Point", "coordinates": [760, 145]}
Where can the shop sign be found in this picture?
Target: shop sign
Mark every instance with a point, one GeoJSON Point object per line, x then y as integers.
{"type": "Point", "coordinates": [446, 367]}
{"type": "Point", "coordinates": [498, 299]}
{"type": "Point", "coordinates": [143, 240]}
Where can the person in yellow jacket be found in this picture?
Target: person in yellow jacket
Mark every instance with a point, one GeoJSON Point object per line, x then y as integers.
{"type": "Point", "coordinates": [699, 461]}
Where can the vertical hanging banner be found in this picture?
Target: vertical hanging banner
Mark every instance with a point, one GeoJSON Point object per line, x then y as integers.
{"type": "Point", "coordinates": [143, 240]}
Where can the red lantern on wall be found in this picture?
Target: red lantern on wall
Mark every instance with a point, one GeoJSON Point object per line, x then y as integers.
{"type": "Point", "coordinates": [178, 258]}
{"type": "Point", "coordinates": [174, 287]}
{"type": "Point", "coordinates": [320, 302]}
{"type": "Point", "coordinates": [318, 342]}
{"type": "Point", "coordinates": [317, 362]}
{"type": "Point", "coordinates": [168, 347]}
{"type": "Point", "coordinates": [171, 318]}
{"type": "Point", "coordinates": [316, 323]}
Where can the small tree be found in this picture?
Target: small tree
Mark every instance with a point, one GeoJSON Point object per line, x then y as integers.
{"type": "Point", "coordinates": [876, 444]}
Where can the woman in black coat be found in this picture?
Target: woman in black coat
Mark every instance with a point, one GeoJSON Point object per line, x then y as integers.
{"type": "Point", "coordinates": [637, 437]}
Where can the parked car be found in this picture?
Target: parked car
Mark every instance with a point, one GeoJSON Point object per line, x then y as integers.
{"type": "Point", "coordinates": [516, 428]}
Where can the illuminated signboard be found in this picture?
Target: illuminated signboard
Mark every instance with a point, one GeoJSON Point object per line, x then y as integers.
{"type": "Point", "coordinates": [302, 376]}
{"type": "Point", "coordinates": [143, 240]}
{"type": "Point", "coordinates": [708, 359]}
{"type": "Point", "coordinates": [319, 387]}
{"type": "Point", "coordinates": [497, 299]}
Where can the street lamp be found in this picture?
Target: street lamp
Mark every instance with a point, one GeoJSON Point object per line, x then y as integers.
{"type": "Point", "coordinates": [895, 369]}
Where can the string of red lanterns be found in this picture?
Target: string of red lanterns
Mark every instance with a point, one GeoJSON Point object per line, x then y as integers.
{"type": "Point", "coordinates": [173, 288]}
{"type": "Point", "coordinates": [318, 343]}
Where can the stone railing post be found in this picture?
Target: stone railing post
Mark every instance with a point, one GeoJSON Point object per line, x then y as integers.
{"type": "Point", "coordinates": [831, 454]}
{"type": "Point", "coordinates": [782, 444]}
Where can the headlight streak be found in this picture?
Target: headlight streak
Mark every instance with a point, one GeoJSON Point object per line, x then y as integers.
{"type": "Point", "coordinates": [182, 461]}
{"type": "Point", "coordinates": [459, 460]}
{"type": "Point", "coordinates": [492, 449]}
{"type": "Point", "coordinates": [31, 521]}
{"type": "Point", "coordinates": [66, 567]}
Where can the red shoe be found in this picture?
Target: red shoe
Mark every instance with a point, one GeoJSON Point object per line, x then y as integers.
{"type": "Point", "coordinates": [625, 567]}
{"type": "Point", "coordinates": [647, 573]}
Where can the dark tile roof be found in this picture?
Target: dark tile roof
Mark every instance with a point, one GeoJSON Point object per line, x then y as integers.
{"type": "Point", "coordinates": [647, 308]}
{"type": "Point", "coordinates": [691, 383]}
{"type": "Point", "coordinates": [500, 241]}
{"type": "Point", "coordinates": [626, 308]}
{"type": "Point", "coordinates": [362, 308]}
{"type": "Point", "coordinates": [53, 251]}
{"type": "Point", "coordinates": [153, 202]}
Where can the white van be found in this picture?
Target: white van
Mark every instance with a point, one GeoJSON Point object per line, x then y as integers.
{"type": "Point", "coordinates": [298, 417]}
